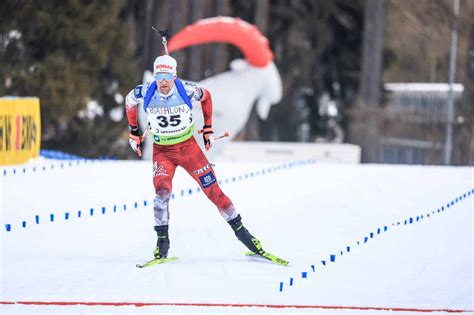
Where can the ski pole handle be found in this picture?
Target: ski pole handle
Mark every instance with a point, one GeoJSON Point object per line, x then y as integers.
{"type": "Point", "coordinates": [163, 40]}
{"type": "Point", "coordinates": [140, 145]}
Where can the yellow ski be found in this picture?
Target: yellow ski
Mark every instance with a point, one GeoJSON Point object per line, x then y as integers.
{"type": "Point", "coordinates": [156, 261]}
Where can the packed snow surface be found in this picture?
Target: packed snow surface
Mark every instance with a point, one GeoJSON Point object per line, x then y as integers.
{"type": "Point", "coordinates": [362, 237]}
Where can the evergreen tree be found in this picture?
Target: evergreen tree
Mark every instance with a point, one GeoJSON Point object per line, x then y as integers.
{"type": "Point", "coordinates": [67, 53]}
{"type": "Point", "coordinates": [317, 47]}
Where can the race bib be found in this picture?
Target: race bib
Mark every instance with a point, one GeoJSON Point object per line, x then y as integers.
{"type": "Point", "coordinates": [170, 125]}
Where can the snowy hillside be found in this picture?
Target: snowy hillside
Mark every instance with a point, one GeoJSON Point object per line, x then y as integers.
{"type": "Point", "coordinates": [360, 239]}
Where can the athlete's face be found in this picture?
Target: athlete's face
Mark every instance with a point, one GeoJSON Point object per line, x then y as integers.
{"type": "Point", "coordinates": [165, 81]}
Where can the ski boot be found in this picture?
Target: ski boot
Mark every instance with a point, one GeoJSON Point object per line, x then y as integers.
{"type": "Point", "coordinates": [163, 242]}
{"type": "Point", "coordinates": [252, 243]}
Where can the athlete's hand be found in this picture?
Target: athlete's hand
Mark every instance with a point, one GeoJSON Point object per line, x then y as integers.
{"type": "Point", "coordinates": [207, 136]}
{"type": "Point", "coordinates": [136, 140]}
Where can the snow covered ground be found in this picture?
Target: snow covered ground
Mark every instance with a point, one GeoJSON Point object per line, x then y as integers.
{"type": "Point", "coordinates": [400, 237]}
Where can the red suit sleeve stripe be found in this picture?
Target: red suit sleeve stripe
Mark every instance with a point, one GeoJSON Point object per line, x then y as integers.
{"type": "Point", "coordinates": [206, 105]}
{"type": "Point", "coordinates": [131, 111]}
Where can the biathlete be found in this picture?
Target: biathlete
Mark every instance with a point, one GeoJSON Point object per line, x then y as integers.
{"type": "Point", "coordinates": [168, 104]}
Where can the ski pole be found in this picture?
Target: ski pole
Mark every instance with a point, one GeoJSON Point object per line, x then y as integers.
{"type": "Point", "coordinates": [163, 34]}
{"type": "Point", "coordinates": [142, 138]}
{"type": "Point", "coordinates": [144, 135]}
{"type": "Point", "coordinates": [226, 134]}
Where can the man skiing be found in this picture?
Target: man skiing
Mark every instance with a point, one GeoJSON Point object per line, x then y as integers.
{"type": "Point", "coordinates": [168, 103]}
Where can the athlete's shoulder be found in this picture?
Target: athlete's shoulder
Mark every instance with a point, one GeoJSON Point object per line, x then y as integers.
{"type": "Point", "coordinates": [137, 95]}
{"type": "Point", "coordinates": [140, 90]}
{"type": "Point", "coordinates": [193, 90]}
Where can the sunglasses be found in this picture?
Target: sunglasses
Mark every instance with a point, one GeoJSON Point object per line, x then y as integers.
{"type": "Point", "coordinates": [164, 75]}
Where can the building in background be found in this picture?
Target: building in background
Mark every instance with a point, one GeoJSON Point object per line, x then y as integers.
{"type": "Point", "coordinates": [414, 122]}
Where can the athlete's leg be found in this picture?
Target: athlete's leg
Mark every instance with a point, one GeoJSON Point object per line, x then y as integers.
{"type": "Point", "coordinates": [197, 165]}
{"type": "Point", "coordinates": [163, 172]}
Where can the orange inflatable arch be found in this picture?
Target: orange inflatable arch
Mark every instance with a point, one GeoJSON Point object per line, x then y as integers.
{"type": "Point", "coordinates": [245, 36]}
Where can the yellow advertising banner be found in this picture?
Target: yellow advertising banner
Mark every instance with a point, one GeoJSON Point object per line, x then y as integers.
{"type": "Point", "coordinates": [20, 129]}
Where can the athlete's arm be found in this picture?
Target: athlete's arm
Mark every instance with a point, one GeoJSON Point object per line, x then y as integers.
{"type": "Point", "coordinates": [200, 94]}
{"type": "Point", "coordinates": [132, 100]}
{"type": "Point", "coordinates": [206, 105]}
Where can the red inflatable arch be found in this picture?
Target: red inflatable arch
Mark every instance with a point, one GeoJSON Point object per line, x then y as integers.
{"type": "Point", "coordinates": [241, 34]}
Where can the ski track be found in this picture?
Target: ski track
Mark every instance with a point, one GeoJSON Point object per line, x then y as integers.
{"type": "Point", "coordinates": [304, 212]}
